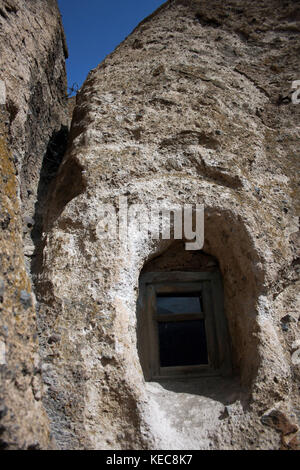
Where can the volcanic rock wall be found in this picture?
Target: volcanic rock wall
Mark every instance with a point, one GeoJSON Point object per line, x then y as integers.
{"type": "Point", "coordinates": [32, 66]}
{"type": "Point", "coordinates": [193, 107]}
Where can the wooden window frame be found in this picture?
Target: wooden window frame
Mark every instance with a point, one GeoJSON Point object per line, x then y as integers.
{"type": "Point", "coordinates": [209, 284]}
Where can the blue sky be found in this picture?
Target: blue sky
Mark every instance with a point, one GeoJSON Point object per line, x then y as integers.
{"type": "Point", "coordinates": [95, 27]}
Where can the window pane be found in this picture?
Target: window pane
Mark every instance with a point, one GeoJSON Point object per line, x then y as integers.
{"type": "Point", "coordinates": [178, 304]}
{"type": "Point", "coordinates": [182, 343]}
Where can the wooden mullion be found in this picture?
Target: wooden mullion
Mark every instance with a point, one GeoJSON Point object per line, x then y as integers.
{"type": "Point", "coordinates": [178, 288]}
{"type": "Point", "coordinates": [179, 317]}
{"type": "Point", "coordinates": [221, 326]}
{"type": "Point", "coordinates": [211, 336]}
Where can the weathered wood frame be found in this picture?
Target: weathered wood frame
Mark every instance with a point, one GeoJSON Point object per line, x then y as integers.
{"type": "Point", "coordinates": [210, 286]}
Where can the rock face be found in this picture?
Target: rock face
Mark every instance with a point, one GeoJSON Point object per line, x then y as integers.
{"type": "Point", "coordinates": [193, 107]}
{"type": "Point", "coordinates": [32, 66]}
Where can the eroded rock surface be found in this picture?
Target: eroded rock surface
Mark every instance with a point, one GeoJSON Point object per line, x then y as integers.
{"type": "Point", "coordinates": [193, 107]}
{"type": "Point", "coordinates": [32, 65]}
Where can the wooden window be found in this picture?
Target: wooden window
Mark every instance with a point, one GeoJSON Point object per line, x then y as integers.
{"type": "Point", "coordinates": [181, 325]}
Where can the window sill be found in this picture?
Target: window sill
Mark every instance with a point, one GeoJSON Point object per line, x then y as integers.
{"type": "Point", "coordinates": [186, 372]}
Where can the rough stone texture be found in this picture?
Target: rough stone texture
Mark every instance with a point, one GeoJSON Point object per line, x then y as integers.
{"type": "Point", "coordinates": [23, 421]}
{"type": "Point", "coordinates": [32, 64]}
{"type": "Point", "coordinates": [193, 107]}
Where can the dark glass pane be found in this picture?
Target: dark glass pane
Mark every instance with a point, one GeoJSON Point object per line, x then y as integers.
{"type": "Point", "coordinates": [182, 343]}
{"type": "Point", "coordinates": [178, 304]}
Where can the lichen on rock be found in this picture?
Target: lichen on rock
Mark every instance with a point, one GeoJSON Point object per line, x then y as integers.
{"type": "Point", "coordinates": [185, 110]}
{"type": "Point", "coordinates": [192, 108]}
{"type": "Point", "coordinates": [32, 68]}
